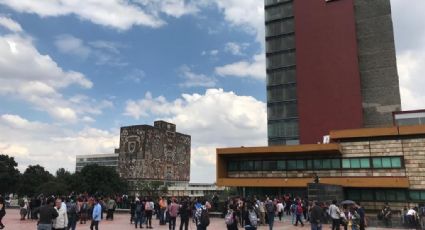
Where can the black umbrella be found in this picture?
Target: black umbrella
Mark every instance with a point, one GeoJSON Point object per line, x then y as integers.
{"type": "Point", "coordinates": [348, 202]}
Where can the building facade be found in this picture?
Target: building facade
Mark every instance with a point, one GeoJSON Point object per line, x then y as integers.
{"type": "Point", "coordinates": [373, 165]}
{"type": "Point", "coordinates": [154, 153]}
{"type": "Point", "coordinates": [108, 160]}
{"type": "Point", "coordinates": [193, 190]}
{"type": "Point", "coordinates": [330, 65]}
{"type": "Point", "coordinates": [412, 117]}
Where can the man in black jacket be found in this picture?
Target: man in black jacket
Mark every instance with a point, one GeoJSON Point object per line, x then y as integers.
{"type": "Point", "coordinates": [47, 214]}
{"type": "Point", "coordinates": [316, 216]}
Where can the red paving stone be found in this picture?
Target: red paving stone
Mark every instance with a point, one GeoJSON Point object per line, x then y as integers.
{"type": "Point", "coordinates": [121, 222]}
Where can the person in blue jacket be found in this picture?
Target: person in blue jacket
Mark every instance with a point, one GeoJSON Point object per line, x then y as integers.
{"type": "Point", "coordinates": [97, 211]}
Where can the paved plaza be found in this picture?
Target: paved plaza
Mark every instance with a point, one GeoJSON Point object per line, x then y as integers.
{"type": "Point", "coordinates": [121, 222]}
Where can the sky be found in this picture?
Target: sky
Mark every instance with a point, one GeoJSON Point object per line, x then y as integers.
{"type": "Point", "coordinates": [72, 72]}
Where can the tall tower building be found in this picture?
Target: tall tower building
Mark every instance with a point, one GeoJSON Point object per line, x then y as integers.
{"type": "Point", "coordinates": [331, 65]}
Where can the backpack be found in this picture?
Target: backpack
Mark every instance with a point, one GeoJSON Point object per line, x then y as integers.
{"type": "Point", "coordinates": [205, 219]}
{"type": "Point", "coordinates": [299, 209]}
{"type": "Point", "coordinates": [253, 218]}
{"type": "Point", "coordinates": [269, 207]}
{"type": "Point", "coordinates": [229, 219]}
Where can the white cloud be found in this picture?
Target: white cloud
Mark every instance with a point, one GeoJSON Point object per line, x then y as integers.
{"type": "Point", "coordinates": [21, 139]}
{"type": "Point", "coordinates": [192, 79]}
{"type": "Point", "coordinates": [235, 48]}
{"type": "Point", "coordinates": [136, 76]}
{"type": "Point", "coordinates": [10, 24]}
{"type": "Point", "coordinates": [410, 44]}
{"type": "Point", "coordinates": [255, 68]}
{"type": "Point", "coordinates": [214, 119]}
{"type": "Point", "coordinates": [120, 14]}
{"type": "Point", "coordinates": [71, 45]}
{"type": "Point", "coordinates": [213, 52]}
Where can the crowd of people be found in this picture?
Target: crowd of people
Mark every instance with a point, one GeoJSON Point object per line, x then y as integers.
{"type": "Point", "coordinates": [248, 213]}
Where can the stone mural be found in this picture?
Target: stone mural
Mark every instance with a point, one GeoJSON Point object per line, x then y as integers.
{"type": "Point", "coordinates": [154, 153]}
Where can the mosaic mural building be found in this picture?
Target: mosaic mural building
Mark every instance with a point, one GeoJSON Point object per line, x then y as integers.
{"type": "Point", "coordinates": [154, 153]}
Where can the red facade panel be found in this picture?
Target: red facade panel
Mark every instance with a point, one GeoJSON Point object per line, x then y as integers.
{"type": "Point", "coordinates": [328, 78]}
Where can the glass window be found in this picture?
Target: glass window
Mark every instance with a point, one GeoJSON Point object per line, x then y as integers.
{"type": "Point", "coordinates": [309, 164]}
{"type": "Point", "coordinates": [367, 195]}
{"type": "Point", "coordinates": [281, 60]}
{"type": "Point", "coordinates": [355, 163]}
{"type": "Point", "coordinates": [281, 165]}
{"type": "Point", "coordinates": [354, 194]}
{"type": "Point", "coordinates": [365, 163]}
{"type": "Point", "coordinates": [326, 164]}
{"type": "Point", "coordinates": [280, 27]}
{"type": "Point", "coordinates": [292, 164]}
{"type": "Point", "coordinates": [279, 11]}
{"type": "Point", "coordinates": [386, 162]}
{"type": "Point", "coordinates": [283, 129]}
{"type": "Point", "coordinates": [380, 195]}
{"type": "Point", "coordinates": [284, 76]}
{"type": "Point", "coordinates": [336, 163]}
{"type": "Point", "coordinates": [396, 162]}
{"type": "Point", "coordinates": [246, 165]}
{"type": "Point", "coordinates": [415, 195]}
{"type": "Point", "coordinates": [391, 195]}
{"type": "Point", "coordinates": [269, 2]}
{"type": "Point", "coordinates": [269, 165]}
{"type": "Point", "coordinates": [346, 163]}
{"type": "Point", "coordinates": [282, 93]}
{"type": "Point", "coordinates": [317, 164]}
{"type": "Point", "coordinates": [232, 166]}
{"type": "Point", "coordinates": [401, 195]}
{"type": "Point", "coordinates": [280, 43]}
{"type": "Point", "coordinates": [422, 195]}
{"type": "Point", "coordinates": [282, 110]}
{"type": "Point", "coordinates": [258, 165]}
{"type": "Point", "coordinates": [300, 164]}
{"type": "Point", "coordinates": [377, 163]}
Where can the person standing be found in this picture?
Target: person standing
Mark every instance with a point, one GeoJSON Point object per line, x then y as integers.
{"type": "Point", "coordinates": [111, 205]}
{"type": "Point", "coordinates": [271, 209]}
{"type": "Point", "coordinates": [173, 210]}
{"type": "Point", "coordinates": [387, 215]}
{"type": "Point", "coordinates": [361, 212]}
{"type": "Point", "coordinates": [335, 214]}
{"type": "Point", "coordinates": [299, 213]}
{"type": "Point", "coordinates": [202, 217]}
{"type": "Point", "coordinates": [184, 215]}
{"type": "Point", "coordinates": [279, 207]}
{"type": "Point", "coordinates": [47, 215]}
{"type": "Point", "coordinates": [61, 221]}
{"type": "Point", "coordinates": [132, 210]}
{"type": "Point", "coordinates": [262, 209]}
{"type": "Point", "coordinates": [139, 210]}
{"type": "Point", "coordinates": [316, 216]}
{"type": "Point", "coordinates": [251, 218]}
{"type": "Point", "coordinates": [72, 211]}
{"type": "Point", "coordinates": [162, 209]}
{"type": "Point", "coordinates": [231, 218]}
{"type": "Point", "coordinates": [96, 216]}
{"type": "Point", "coordinates": [149, 206]}
{"type": "Point", "coordinates": [2, 211]}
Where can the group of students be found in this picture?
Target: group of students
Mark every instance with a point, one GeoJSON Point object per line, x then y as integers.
{"type": "Point", "coordinates": [413, 217]}
{"type": "Point", "coordinates": [167, 211]}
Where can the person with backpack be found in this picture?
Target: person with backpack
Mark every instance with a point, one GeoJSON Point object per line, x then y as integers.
{"type": "Point", "coordinates": [271, 209]}
{"type": "Point", "coordinates": [386, 214]}
{"type": "Point", "coordinates": [72, 212]}
{"type": "Point", "coordinates": [138, 212]}
{"type": "Point", "coordinates": [202, 219]}
{"type": "Point", "coordinates": [173, 210]}
{"type": "Point", "coordinates": [251, 218]}
{"type": "Point", "coordinates": [362, 214]}
{"type": "Point", "coordinates": [149, 207]}
{"type": "Point", "coordinates": [110, 208]}
{"type": "Point", "coordinates": [293, 210]}
{"type": "Point", "coordinates": [47, 215]}
{"type": "Point", "coordinates": [84, 209]}
{"type": "Point", "coordinates": [299, 213]}
{"type": "Point", "coordinates": [231, 219]}
{"type": "Point", "coordinates": [184, 212]}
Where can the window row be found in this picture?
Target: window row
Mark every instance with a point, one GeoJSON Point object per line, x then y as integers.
{"type": "Point", "coordinates": [282, 76]}
{"type": "Point", "coordinates": [282, 111]}
{"type": "Point", "coordinates": [281, 60]}
{"type": "Point", "coordinates": [283, 141]}
{"type": "Point", "coordinates": [384, 195]}
{"type": "Point", "coordinates": [285, 129]}
{"type": "Point", "coordinates": [279, 11]}
{"type": "Point", "coordinates": [282, 93]}
{"type": "Point", "coordinates": [280, 27]}
{"type": "Point", "coordinates": [280, 43]}
{"type": "Point", "coordinates": [314, 164]}
{"type": "Point", "coordinates": [270, 2]}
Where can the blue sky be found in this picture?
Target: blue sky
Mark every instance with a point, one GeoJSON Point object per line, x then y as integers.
{"type": "Point", "coordinates": [73, 72]}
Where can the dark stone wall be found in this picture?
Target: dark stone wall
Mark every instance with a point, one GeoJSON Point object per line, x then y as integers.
{"type": "Point", "coordinates": [154, 153]}
{"type": "Point", "coordinates": [377, 61]}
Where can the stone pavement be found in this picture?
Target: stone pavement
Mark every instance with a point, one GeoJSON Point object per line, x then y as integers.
{"type": "Point", "coordinates": [122, 222]}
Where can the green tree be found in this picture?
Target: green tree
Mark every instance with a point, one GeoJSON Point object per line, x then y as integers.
{"type": "Point", "coordinates": [33, 177]}
{"type": "Point", "coordinates": [152, 188]}
{"type": "Point", "coordinates": [99, 180]}
{"type": "Point", "coordinates": [9, 174]}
